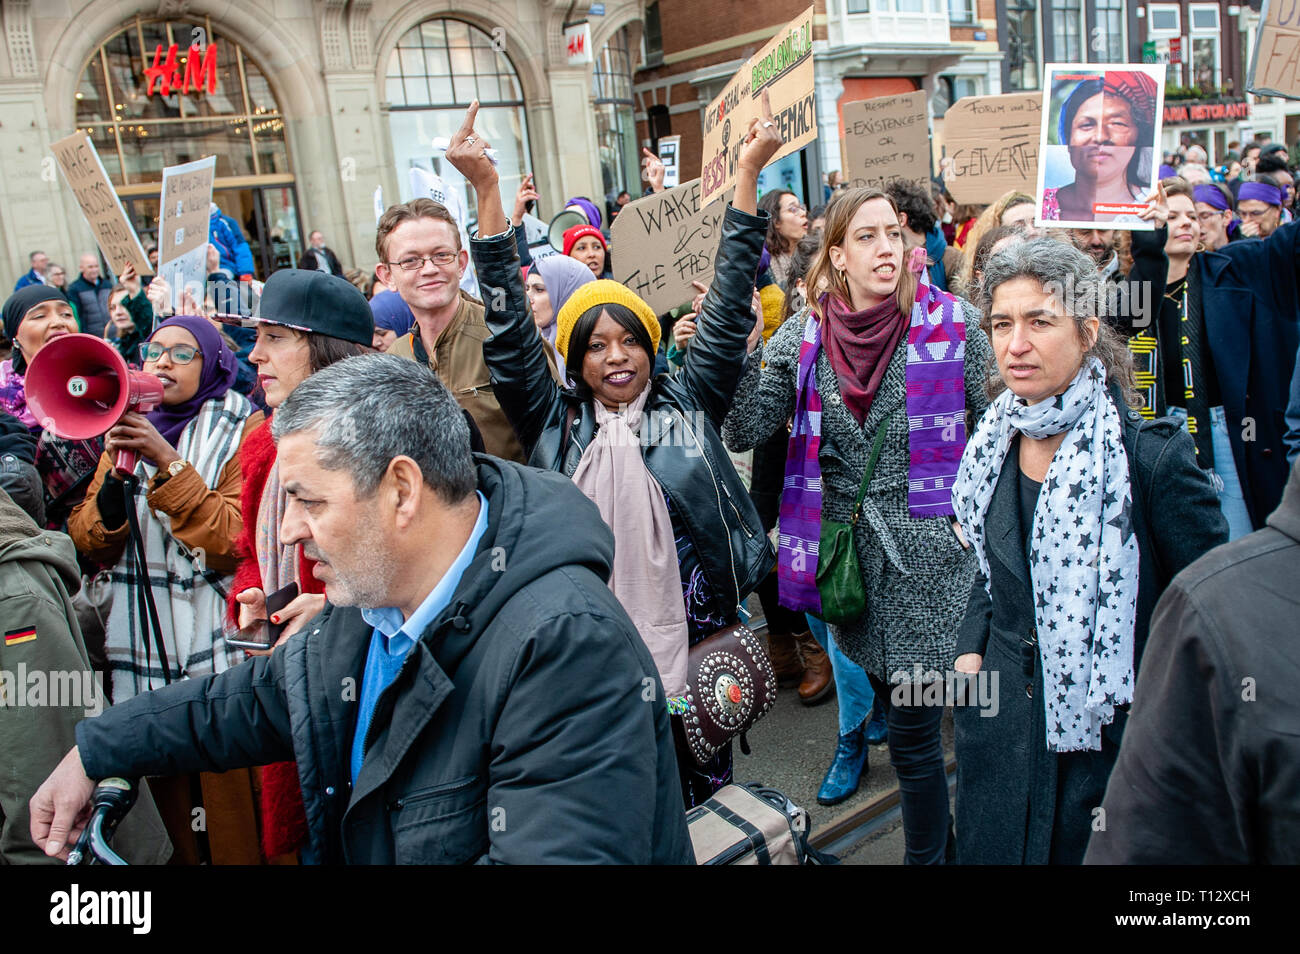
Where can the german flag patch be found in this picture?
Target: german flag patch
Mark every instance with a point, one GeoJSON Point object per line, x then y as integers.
{"type": "Point", "coordinates": [16, 637]}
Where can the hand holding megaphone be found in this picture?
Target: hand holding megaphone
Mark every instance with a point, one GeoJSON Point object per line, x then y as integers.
{"type": "Point", "coordinates": [135, 434]}
{"type": "Point", "coordinates": [79, 387]}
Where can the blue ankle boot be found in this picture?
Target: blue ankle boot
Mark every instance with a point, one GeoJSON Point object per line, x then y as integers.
{"type": "Point", "coordinates": [876, 730]}
{"type": "Point", "coordinates": [847, 768]}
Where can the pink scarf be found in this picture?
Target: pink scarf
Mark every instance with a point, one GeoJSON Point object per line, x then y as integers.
{"type": "Point", "coordinates": [646, 578]}
{"type": "Point", "coordinates": [860, 345]}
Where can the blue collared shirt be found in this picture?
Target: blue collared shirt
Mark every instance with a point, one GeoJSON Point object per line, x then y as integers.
{"type": "Point", "coordinates": [393, 638]}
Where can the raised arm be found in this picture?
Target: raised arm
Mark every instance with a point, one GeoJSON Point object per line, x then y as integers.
{"type": "Point", "coordinates": [764, 398]}
{"type": "Point", "coordinates": [515, 354]}
{"type": "Point", "coordinates": [726, 317]}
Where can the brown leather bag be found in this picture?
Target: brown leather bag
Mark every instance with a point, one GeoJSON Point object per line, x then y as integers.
{"type": "Point", "coordinates": [730, 685]}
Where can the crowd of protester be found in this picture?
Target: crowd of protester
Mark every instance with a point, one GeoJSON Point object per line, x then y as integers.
{"type": "Point", "coordinates": [1067, 460]}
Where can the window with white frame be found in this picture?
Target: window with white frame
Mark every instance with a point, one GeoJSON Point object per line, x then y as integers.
{"type": "Point", "coordinates": [1165, 23]}
{"type": "Point", "coordinates": [1067, 31]}
{"type": "Point", "coordinates": [961, 11]}
{"type": "Point", "coordinates": [1106, 43]}
{"type": "Point", "coordinates": [859, 6]}
{"type": "Point", "coordinates": [1205, 59]}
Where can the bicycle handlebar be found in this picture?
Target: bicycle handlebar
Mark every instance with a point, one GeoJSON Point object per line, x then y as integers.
{"type": "Point", "coordinates": [111, 800]}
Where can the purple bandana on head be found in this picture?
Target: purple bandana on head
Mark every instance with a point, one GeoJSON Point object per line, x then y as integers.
{"type": "Point", "coordinates": [1211, 197]}
{"type": "Point", "coordinates": [936, 412]}
{"type": "Point", "coordinates": [1261, 192]}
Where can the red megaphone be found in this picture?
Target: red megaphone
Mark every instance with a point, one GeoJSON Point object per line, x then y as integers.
{"type": "Point", "coordinates": [78, 386]}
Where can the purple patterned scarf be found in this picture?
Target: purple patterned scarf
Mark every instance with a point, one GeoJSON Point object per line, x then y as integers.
{"type": "Point", "coordinates": [936, 411]}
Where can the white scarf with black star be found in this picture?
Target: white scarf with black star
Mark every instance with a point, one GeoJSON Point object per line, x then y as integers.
{"type": "Point", "coordinates": [1083, 554]}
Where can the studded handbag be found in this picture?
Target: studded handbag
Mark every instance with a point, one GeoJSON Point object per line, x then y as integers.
{"type": "Point", "coordinates": [730, 685]}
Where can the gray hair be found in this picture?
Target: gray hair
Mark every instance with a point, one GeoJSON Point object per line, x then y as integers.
{"type": "Point", "coordinates": [1071, 277]}
{"type": "Point", "coordinates": [368, 409]}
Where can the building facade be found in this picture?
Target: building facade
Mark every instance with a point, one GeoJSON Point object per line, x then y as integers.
{"type": "Point", "coordinates": [317, 110]}
{"type": "Point", "coordinates": [864, 48]}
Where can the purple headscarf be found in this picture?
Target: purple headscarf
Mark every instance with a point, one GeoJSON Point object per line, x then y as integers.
{"type": "Point", "coordinates": [1210, 196]}
{"type": "Point", "coordinates": [393, 314]}
{"type": "Point", "coordinates": [220, 368]}
{"type": "Point", "coordinates": [588, 209]}
{"type": "Point", "coordinates": [1260, 191]}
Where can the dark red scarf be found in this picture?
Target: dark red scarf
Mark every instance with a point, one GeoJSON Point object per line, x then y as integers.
{"type": "Point", "coordinates": [860, 345]}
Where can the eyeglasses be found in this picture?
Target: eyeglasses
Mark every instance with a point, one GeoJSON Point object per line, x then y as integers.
{"type": "Point", "coordinates": [1256, 214]}
{"type": "Point", "coordinates": [412, 262]}
{"type": "Point", "coordinates": [179, 354]}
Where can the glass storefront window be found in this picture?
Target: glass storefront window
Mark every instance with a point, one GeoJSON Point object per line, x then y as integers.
{"type": "Point", "coordinates": [620, 158]}
{"type": "Point", "coordinates": [437, 69]}
{"type": "Point", "coordinates": [1022, 44]}
{"type": "Point", "coordinates": [138, 133]}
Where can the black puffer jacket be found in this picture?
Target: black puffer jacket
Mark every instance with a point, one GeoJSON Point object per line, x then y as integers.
{"type": "Point", "coordinates": [683, 450]}
{"type": "Point", "coordinates": [518, 729]}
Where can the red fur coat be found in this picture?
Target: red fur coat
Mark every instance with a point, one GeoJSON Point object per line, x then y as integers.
{"type": "Point", "coordinates": [284, 821]}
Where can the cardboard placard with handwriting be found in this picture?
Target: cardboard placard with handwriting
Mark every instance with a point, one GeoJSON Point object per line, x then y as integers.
{"type": "Point", "coordinates": [183, 232]}
{"type": "Point", "coordinates": [663, 242]}
{"type": "Point", "coordinates": [783, 70]}
{"type": "Point", "coordinates": [1275, 66]}
{"type": "Point", "coordinates": [887, 138]}
{"type": "Point", "coordinates": [993, 144]}
{"type": "Point", "coordinates": [84, 172]}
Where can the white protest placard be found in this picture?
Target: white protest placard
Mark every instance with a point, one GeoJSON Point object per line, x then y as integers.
{"type": "Point", "coordinates": [663, 242]}
{"type": "Point", "coordinates": [887, 138]}
{"type": "Point", "coordinates": [84, 172]}
{"type": "Point", "coordinates": [1275, 65]}
{"type": "Point", "coordinates": [183, 227]}
{"type": "Point", "coordinates": [783, 69]}
{"type": "Point", "coordinates": [993, 146]}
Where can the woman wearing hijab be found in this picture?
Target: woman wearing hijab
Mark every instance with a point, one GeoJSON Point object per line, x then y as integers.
{"type": "Point", "coordinates": [1080, 512]}
{"type": "Point", "coordinates": [190, 480]}
{"type": "Point", "coordinates": [1108, 124]}
{"type": "Point", "coordinates": [549, 283]}
{"type": "Point", "coordinates": [33, 317]}
{"type": "Point", "coordinates": [186, 503]}
{"type": "Point", "coordinates": [393, 319]}
{"type": "Point", "coordinates": [882, 365]}
{"type": "Point", "coordinates": [689, 546]}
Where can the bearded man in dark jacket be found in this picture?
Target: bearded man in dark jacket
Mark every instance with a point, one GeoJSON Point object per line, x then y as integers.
{"type": "Point", "coordinates": [472, 690]}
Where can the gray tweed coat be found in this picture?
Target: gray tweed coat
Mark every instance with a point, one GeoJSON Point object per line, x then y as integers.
{"type": "Point", "coordinates": [917, 574]}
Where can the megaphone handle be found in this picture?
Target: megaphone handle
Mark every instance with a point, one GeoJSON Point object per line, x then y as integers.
{"type": "Point", "coordinates": [125, 462]}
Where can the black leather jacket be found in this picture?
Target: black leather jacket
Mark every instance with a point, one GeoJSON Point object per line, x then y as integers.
{"type": "Point", "coordinates": [683, 415]}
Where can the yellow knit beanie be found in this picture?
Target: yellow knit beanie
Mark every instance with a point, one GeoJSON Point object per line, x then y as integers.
{"type": "Point", "coordinates": [603, 291]}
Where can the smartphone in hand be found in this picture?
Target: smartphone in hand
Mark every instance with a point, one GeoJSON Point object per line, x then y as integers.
{"type": "Point", "coordinates": [262, 633]}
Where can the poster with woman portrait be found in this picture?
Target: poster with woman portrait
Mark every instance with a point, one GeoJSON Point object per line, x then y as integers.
{"type": "Point", "coordinates": [1097, 153]}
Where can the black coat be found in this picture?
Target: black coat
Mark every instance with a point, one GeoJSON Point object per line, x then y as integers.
{"type": "Point", "coordinates": [1210, 769]}
{"type": "Point", "coordinates": [308, 261]}
{"type": "Point", "coordinates": [683, 450]}
{"type": "Point", "coordinates": [527, 725]}
{"type": "Point", "coordinates": [92, 303]}
{"type": "Point", "coordinates": [1018, 803]}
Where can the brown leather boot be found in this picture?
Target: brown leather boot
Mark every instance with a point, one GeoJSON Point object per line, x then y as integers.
{"type": "Point", "coordinates": [818, 679]}
{"type": "Point", "coordinates": [785, 659]}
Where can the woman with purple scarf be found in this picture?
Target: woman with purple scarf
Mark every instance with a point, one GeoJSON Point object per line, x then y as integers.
{"type": "Point", "coordinates": [186, 499]}
{"type": "Point", "coordinates": [879, 352]}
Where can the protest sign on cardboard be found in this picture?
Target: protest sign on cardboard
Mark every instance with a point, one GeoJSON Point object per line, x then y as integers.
{"type": "Point", "coordinates": [887, 138]}
{"type": "Point", "coordinates": [663, 242]}
{"type": "Point", "coordinates": [993, 146]}
{"type": "Point", "coordinates": [783, 69]}
{"type": "Point", "coordinates": [1275, 65]}
{"type": "Point", "coordinates": [183, 231]}
{"type": "Point", "coordinates": [84, 172]}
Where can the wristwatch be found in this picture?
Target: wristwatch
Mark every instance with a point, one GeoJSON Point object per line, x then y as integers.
{"type": "Point", "coordinates": [175, 467]}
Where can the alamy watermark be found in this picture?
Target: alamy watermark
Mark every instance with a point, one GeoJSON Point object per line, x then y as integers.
{"type": "Point", "coordinates": [951, 688]}
{"type": "Point", "coordinates": [40, 688]}
{"type": "Point", "coordinates": [1129, 301]}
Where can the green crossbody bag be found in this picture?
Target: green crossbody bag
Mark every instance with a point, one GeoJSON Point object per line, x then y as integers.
{"type": "Point", "coordinates": [839, 577]}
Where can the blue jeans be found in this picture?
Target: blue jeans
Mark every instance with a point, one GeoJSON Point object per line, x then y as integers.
{"type": "Point", "coordinates": [852, 687]}
{"type": "Point", "coordinates": [1232, 499]}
